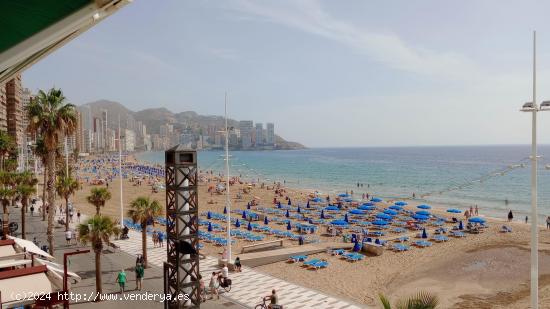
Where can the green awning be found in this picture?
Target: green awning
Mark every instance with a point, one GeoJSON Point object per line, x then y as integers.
{"type": "Point", "coordinates": [21, 19]}
{"type": "Point", "coordinates": [32, 29]}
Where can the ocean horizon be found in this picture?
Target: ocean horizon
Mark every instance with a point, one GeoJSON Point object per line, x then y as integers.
{"type": "Point", "coordinates": [494, 177]}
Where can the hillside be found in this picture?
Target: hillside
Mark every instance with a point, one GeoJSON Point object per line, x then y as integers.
{"type": "Point", "coordinates": [153, 118]}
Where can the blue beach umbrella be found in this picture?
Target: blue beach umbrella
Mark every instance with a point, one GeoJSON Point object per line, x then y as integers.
{"type": "Point", "coordinates": [390, 212]}
{"type": "Point", "coordinates": [279, 205]}
{"type": "Point", "coordinates": [248, 206]}
{"type": "Point", "coordinates": [249, 227]}
{"type": "Point", "coordinates": [339, 222]}
{"type": "Point", "coordinates": [476, 220]}
{"type": "Point", "coordinates": [423, 206]}
{"type": "Point", "coordinates": [460, 225]}
{"type": "Point", "coordinates": [357, 212]}
{"type": "Point", "coordinates": [423, 213]}
{"type": "Point", "coordinates": [237, 223]}
{"type": "Point", "coordinates": [395, 207]}
{"type": "Point", "coordinates": [210, 226]}
{"type": "Point", "coordinates": [348, 200]}
{"type": "Point", "coordinates": [383, 216]}
{"type": "Point", "coordinates": [266, 221]}
{"type": "Point", "coordinates": [209, 215]}
{"type": "Point", "coordinates": [424, 234]}
{"type": "Point", "coordinates": [317, 200]}
{"type": "Point", "coordinates": [380, 222]}
{"type": "Point", "coordinates": [289, 202]}
{"type": "Point", "coordinates": [288, 226]}
{"type": "Point", "coordinates": [401, 203]}
{"type": "Point", "coordinates": [299, 210]}
{"type": "Point", "coordinates": [307, 206]}
{"type": "Point", "coordinates": [343, 195]}
{"type": "Point", "coordinates": [454, 210]}
{"type": "Point", "coordinates": [367, 207]}
{"type": "Point", "coordinates": [287, 214]}
{"type": "Point", "coordinates": [322, 214]}
{"type": "Point", "coordinates": [376, 200]}
{"type": "Point", "coordinates": [356, 246]}
{"type": "Point", "coordinates": [346, 218]}
{"type": "Point", "coordinates": [332, 207]}
{"type": "Point", "coordinates": [244, 215]}
{"type": "Point", "coordinates": [420, 217]}
{"type": "Point", "coordinates": [225, 210]}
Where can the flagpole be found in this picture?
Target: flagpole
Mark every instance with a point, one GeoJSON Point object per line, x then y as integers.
{"type": "Point", "coordinates": [227, 201]}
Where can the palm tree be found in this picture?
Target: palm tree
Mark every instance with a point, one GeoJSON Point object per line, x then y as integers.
{"type": "Point", "coordinates": [143, 210]}
{"type": "Point", "coordinates": [98, 197]}
{"type": "Point", "coordinates": [66, 186]}
{"type": "Point", "coordinates": [422, 300]}
{"type": "Point", "coordinates": [6, 195]}
{"type": "Point", "coordinates": [53, 118]}
{"type": "Point", "coordinates": [41, 151]}
{"type": "Point", "coordinates": [6, 146]}
{"type": "Point", "coordinates": [96, 231]}
{"type": "Point", "coordinates": [24, 191]}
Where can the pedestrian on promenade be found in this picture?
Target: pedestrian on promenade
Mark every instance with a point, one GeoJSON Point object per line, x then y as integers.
{"type": "Point", "coordinates": [140, 272]}
{"type": "Point", "coordinates": [121, 280]}
{"type": "Point", "coordinates": [68, 236]}
{"type": "Point", "coordinates": [155, 239]}
{"type": "Point", "coordinates": [214, 285]}
{"type": "Point", "coordinates": [32, 211]}
{"type": "Point", "coordinates": [161, 239]}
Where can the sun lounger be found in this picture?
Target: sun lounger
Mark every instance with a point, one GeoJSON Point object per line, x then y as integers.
{"type": "Point", "coordinates": [402, 239]}
{"type": "Point", "coordinates": [297, 258]}
{"type": "Point", "coordinates": [458, 234]}
{"type": "Point", "coordinates": [440, 238]}
{"type": "Point", "coordinates": [423, 243]}
{"type": "Point", "coordinates": [400, 247]}
{"type": "Point", "coordinates": [319, 265]}
{"type": "Point", "coordinates": [338, 252]}
{"type": "Point", "coordinates": [310, 262]}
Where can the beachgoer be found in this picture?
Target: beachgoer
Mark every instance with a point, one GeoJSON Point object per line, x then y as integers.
{"type": "Point", "coordinates": [273, 299]}
{"type": "Point", "coordinates": [155, 239]}
{"type": "Point", "coordinates": [477, 211]}
{"type": "Point", "coordinates": [238, 264]}
{"type": "Point", "coordinates": [202, 289]}
{"type": "Point", "coordinates": [68, 236]}
{"type": "Point", "coordinates": [121, 280]}
{"type": "Point", "coordinates": [140, 272]}
{"type": "Point", "coordinates": [467, 214]}
{"type": "Point", "coordinates": [161, 239]}
{"type": "Point", "coordinates": [78, 216]}
{"type": "Point", "coordinates": [548, 222]}
{"type": "Point", "coordinates": [224, 254]}
{"type": "Point", "coordinates": [510, 216]}
{"type": "Point", "coordinates": [526, 219]}
{"type": "Point", "coordinates": [214, 285]}
{"type": "Point", "coordinates": [471, 211]}
{"type": "Point", "coordinates": [32, 211]}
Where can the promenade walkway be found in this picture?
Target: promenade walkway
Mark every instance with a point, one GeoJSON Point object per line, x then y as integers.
{"type": "Point", "coordinates": [249, 285]}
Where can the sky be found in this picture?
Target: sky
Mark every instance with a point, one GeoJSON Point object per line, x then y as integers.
{"type": "Point", "coordinates": [327, 73]}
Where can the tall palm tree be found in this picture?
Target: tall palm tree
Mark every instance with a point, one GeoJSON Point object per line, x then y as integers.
{"type": "Point", "coordinates": [6, 146]}
{"type": "Point", "coordinates": [6, 195]}
{"type": "Point", "coordinates": [143, 210]}
{"type": "Point", "coordinates": [96, 231]}
{"type": "Point", "coordinates": [422, 300]}
{"type": "Point", "coordinates": [66, 186]}
{"type": "Point", "coordinates": [24, 191]}
{"type": "Point", "coordinates": [98, 197]}
{"type": "Point", "coordinates": [53, 118]}
{"type": "Point", "coordinates": [41, 152]}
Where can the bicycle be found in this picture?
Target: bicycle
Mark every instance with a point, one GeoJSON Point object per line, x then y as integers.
{"type": "Point", "coordinates": [226, 284]}
{"type": "Point", "coordinates": [264, 305]}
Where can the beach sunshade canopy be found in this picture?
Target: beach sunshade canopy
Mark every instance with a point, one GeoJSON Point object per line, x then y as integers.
{"type": "Point", "coordinates": [400, 203]}
{"type": "Point", "coordinates": [237, 223]}
{"type": "Point", "coordinates": [332, 208]}
{"type": "Point", "coordinates": [376, 200]}
{"type": "Point", "coordinates": [30, 247]}
{"type": "Point", "coordinates": [357, 212]}
{"type": "Point", "coordinates": [32, 29]}
{"type": "Point", "coordinates": [339, 222]}
{"type": "Point", "coordinates": [348, 200]}
{"type": "Point", "coordinates": [367, 207]}
{"type": "Point", "coordinates": [390, 212]}
{"type": "Point", "coordinates": [395, 207]}
{"type": "Point", "coordinates": [380, 222]}
{"type": "Point", "coordinates": [454, 210]}
{"type": "Point", "coordinates": [423, 213]}
{"type": "Point", "coordinates": [420, 217]}
{"type": "Point", "coordinates": [343, 195]}
{"type": "Point", "coordinates": [317, 200]}
{"type": "Point", "coordinates": [423, 206]}
{"type": "Point", "coordinates": [477, 220]}
{"type": "Point", "coordinates": [384, 216]}
{"type": "Point", "coordinates": [58, 268]}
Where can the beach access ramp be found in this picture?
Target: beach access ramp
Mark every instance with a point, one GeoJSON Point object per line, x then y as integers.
{"type": "Point", "coordinates": [254, 259]}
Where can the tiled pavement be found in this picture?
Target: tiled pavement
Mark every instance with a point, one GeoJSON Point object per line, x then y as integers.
{"type": "Point", "coordinates": [248, 286]}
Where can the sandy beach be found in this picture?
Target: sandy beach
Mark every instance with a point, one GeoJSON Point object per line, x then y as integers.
{"type": "Point", "coordinates": [487, 270]}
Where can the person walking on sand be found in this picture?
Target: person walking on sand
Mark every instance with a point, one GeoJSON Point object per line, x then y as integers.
{"type": "Point", "coordinates": [471, 211]}
{"type": "Point", "coordinates": [140, 272]}
{"type": "Point", "coordinates": [121, 280]}
{"type": "Point", "coordinates": [510, 216]}
{"type": "Point", "coordinates": [548, 222]}
{"type": "Point", "coordinates": [477, 211]}
{"type": "Point", "coordinates": [526, 219]}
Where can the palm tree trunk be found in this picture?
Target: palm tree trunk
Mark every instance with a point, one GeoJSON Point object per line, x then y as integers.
{"type": "Point", "coordinates": [23, 208]}
{"type": "Point", "coordinates": [5, 230]}
{"type": "Point", "coordinates": [44, 194]}
{"type": "Point", "coordinates": [51, 198]}
{"type": "Point", "coordinates": [97, 209]}
{"type": "Point", "coordinates": [66, 213]}
{"type": "Point", "coordinates": [98, 288]}
{"type": "Point", "coordinates": [144, 243]}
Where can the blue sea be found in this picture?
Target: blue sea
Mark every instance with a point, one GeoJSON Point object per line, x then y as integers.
{"type": "Point", "coordinates": [496, 178]}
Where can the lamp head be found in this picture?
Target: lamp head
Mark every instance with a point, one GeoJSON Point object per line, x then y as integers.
{"type": "Point", "coordinates": [528, 107]}
{"type": "Point", "coordinates": [545, 105]}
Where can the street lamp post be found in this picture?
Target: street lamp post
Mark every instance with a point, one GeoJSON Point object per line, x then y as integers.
{"type": "Point", "coordinates": [533, 108]}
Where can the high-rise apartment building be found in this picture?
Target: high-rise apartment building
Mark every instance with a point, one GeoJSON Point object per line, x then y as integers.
{"type": "Point", "coordinates": [270, 136]}
{"type": "Point", "coordinates": [129, 140]}
{"type": "Point", "coordinates": [104, 128]}
{"type": "Point", "coordinates": [246, 127]}
{"type": "Point", "coordinates": [3, 109]}
{"type": "Point", "coordinates": [259, 136]}
{"type": "Point", "coordinates": [14, 108]}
